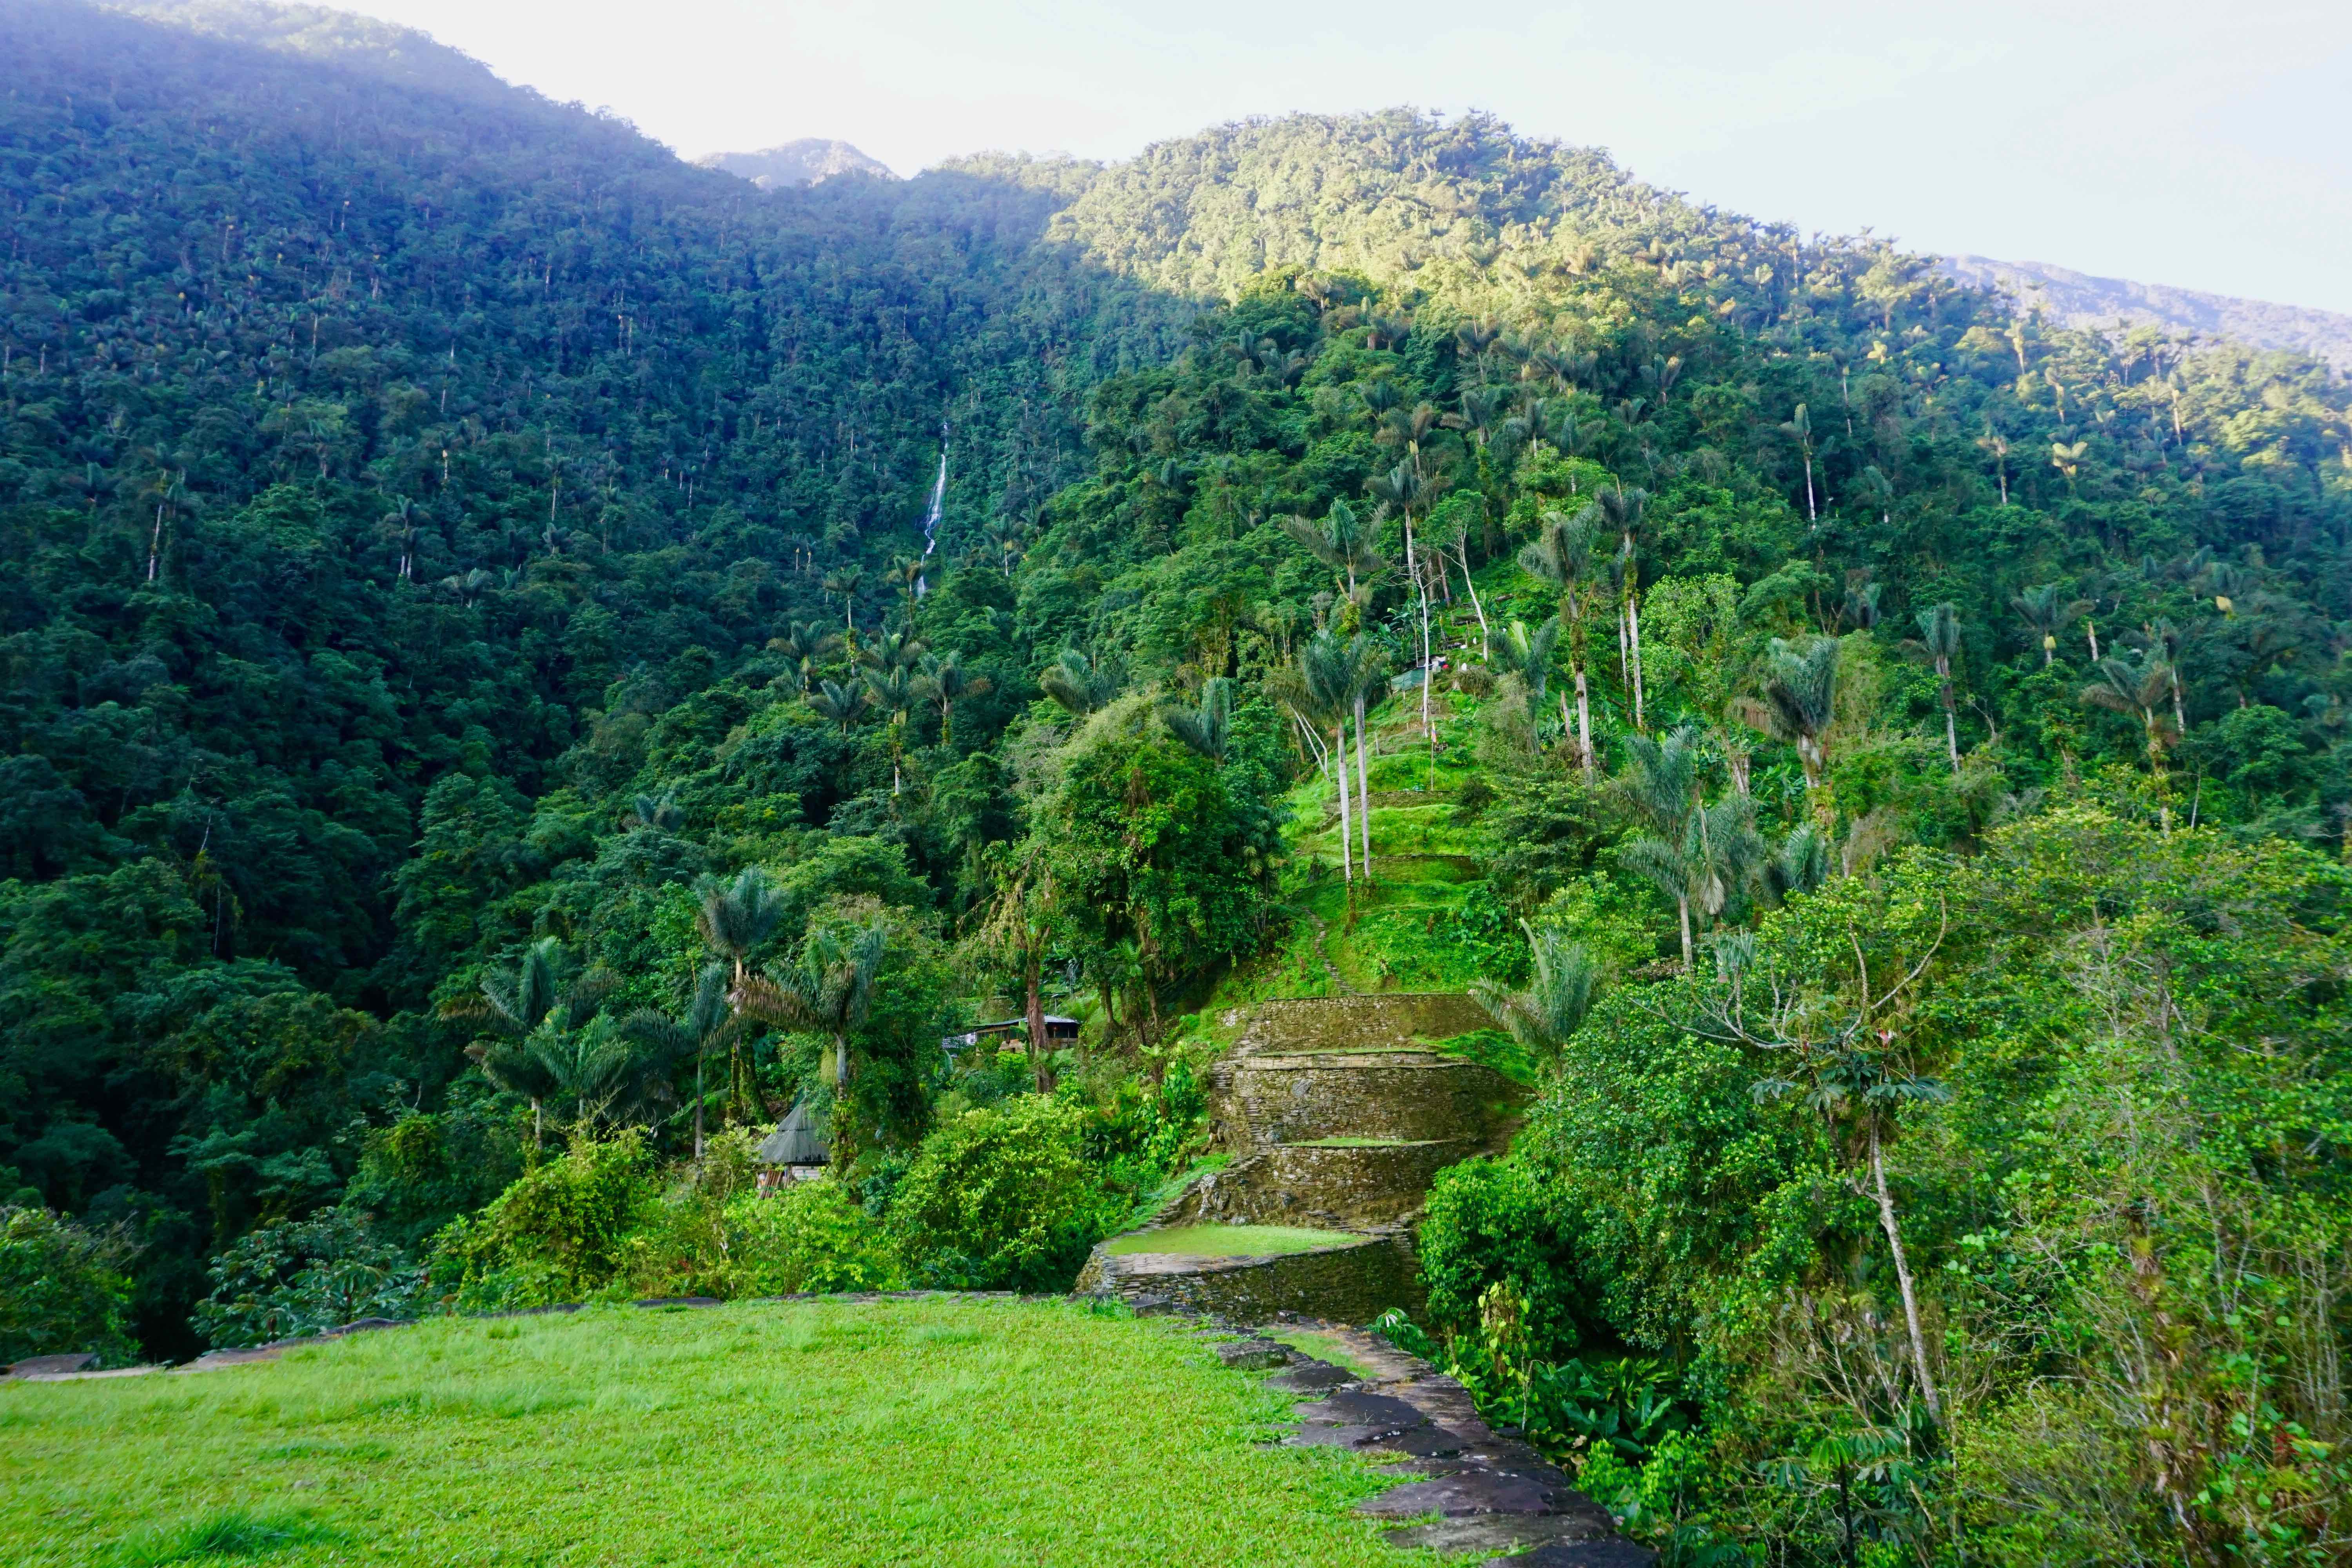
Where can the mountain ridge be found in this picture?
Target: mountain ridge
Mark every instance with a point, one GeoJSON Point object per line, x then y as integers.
{"type": "Point", "coordinates": [808, 161]}
{"type": "Point", "coordinates": [2092, 303]}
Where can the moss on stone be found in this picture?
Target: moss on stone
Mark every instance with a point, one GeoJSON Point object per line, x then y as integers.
{"type": "Point", "coordinates": [1229, 1241]}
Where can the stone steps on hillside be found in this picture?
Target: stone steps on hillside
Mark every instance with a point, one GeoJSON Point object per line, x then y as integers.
{"type": "Point", "coordinates": [1339, 1113]}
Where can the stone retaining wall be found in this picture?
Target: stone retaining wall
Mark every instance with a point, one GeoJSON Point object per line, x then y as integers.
{"type": "Point", "coordinates": [1327, 1188]}
{"type": "Point", "coordinates": [1407, 1095]}
{"type": "Point", "coordinates": [1353, 1284]}
{"type": "Point", "coordinates": [1339, 1023]}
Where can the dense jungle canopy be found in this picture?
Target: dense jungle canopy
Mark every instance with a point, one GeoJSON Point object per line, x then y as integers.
{"type": "Point", "coordinates": [447, 543]}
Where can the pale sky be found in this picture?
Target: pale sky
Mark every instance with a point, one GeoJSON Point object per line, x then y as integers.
{"type": "Point", "coordinates": [2204, 144]}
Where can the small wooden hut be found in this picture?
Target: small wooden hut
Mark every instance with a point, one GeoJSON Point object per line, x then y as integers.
{"type": "Point", "coordinates": [794, 1152]}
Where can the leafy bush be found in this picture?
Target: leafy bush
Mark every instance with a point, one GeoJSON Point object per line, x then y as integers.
{"type": "Point", "coordinates": [62, 1288]}
{"type": "Point", "coordinates": [813, 1236]}
{"type": "Point", "coordinates": [305, 1275]}
{"type": "Point", "coordinates": [1002, 1199]}
{"type": "Point", "coordinates": [427, 1168]}
{"type": "Point", "coordinates": [560, 1232]}
{"type": "Point", "coordinates": [1488, 1223]}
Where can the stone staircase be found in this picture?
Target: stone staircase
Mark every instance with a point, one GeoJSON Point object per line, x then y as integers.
{"type": "Point", "coordinates": [1336, 1113]}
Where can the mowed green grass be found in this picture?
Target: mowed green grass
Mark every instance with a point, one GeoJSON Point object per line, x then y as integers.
{"type": "Point", "coordinates": [1229, 1240]}
{"type": "Point", "coordinates": [915, 1432]}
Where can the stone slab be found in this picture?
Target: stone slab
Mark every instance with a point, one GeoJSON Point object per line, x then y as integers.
{"type": "Point", "coordinates": [1312, 1377]}
{"type": "Point", "coordinates": [1471, 1492]}
{"type": "Point", "coordinates": [51, 1365]}
{"type": "Point", "coordinates": [1608, 1552]}
{"type": "Point", "coordinates": [1254, 1355]}
{"type": "Point", "coordinates": [1356, 1407]}
{"type": "Point", "coordinates": [1422, 1443]}
{"type": "Point", "coordinates": [1492, 1532]}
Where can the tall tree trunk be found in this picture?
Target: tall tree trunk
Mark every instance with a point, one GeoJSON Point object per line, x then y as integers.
{"type": "Point", "coordinates": [1903, 1275]}
{"type": "Point", "coordinates": [1363, 790]}
{"type": "Point", "coordinates": [1472, 583]}
{"type": "Point", "coordinates": [1633, 625]}
{"type": "Point", "coordinates": [1583, 722]}
{"type": "Point", "coordinates": [1033, 961]}
{"type": "Point", "coordinates": [699, 1055]}
{"type": "Point", "coordinates": [1681, 907]}
{"type": "Point", "coordinates": [1339, 772]}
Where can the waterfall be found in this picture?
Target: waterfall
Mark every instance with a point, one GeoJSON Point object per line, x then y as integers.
{"type": "Point", "coordinates": [932, 518]}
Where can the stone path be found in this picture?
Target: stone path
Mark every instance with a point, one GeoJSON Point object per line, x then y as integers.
{"type": "Point", "coordinates": [1490, 1494]}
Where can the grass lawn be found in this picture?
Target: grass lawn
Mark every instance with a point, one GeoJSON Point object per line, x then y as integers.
{"type": "Point", "coordinates": [916, 1432]}
{"type": "Point", "coordinates": [1230, 1240]}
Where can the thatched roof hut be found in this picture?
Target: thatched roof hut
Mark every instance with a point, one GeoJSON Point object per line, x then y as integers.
{"type": "Point", "coordinates": [795, 1141]}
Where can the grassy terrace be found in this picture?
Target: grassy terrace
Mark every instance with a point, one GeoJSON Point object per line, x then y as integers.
{"type": "Point", "coordinates": [919, 1432]}
{"type": "Point", "coordinates": [1229, 1240]}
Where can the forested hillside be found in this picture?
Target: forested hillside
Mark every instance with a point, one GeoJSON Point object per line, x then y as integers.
{"type": "Point", "coordinates": [487, 729]}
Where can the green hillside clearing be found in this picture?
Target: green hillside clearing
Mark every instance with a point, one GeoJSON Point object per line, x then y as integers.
{"type": "Point", "coordinates": [898, 1432]}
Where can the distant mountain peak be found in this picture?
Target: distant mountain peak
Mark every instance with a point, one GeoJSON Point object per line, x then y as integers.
{"type": "Point", "coordinates": [2096, 304]}
{"type": "Point", "coordinates": [810, 160]}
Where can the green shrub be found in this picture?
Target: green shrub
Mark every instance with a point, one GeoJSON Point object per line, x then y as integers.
{"type": "Point", "coordinates": [560, 1232]}
{"type": "Point", "coordinates": [1487, 1224]}
{"type": "Point", "coordinates": [62, 1288]}
{"type": "Point", "coordinates": [813, 1236]}
{"type": "Point", "coordinates": [1002, 1199]}
{"type": "Point", "coordinates": [305, 1275]}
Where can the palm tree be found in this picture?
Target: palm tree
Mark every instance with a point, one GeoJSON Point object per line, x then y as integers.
{"type": "Point", "coordinates": [893, 650]}
{"type": "Point", "coordinates": [943, 682]}
{"type": "Point", "coordinates": [1369, 673]}
{"type": "Point", "coordinates": [1403, 488]}
{"type": "Point", "coordinates": [539, 992]}
{"type": "Point", "coordinates": [1799, 682]}
{"type": "Point", "coordinates": [1205, 729]}
{"type": "Point", "coordinates": [708, 1022]}
{"type": "Point", "coordinates": [2138, 687]}
{"type": "Point", "coordinates": [829, 989]}
{"type": "Point", "coordinates": [1073, 682]}
{"type": "Point", "coordinates": [846, 580]}
{"type": "Point", "coordinates": [1940, 638]}
{"type": "Point", "coordinates": [1558, 994]}
{"type": "Point", "coordinates": [1621, 511]}
{"type": "Point", "coordinates": [1661, 786]}
{"type": "Point", "coordinates": [1340, 542]}
{"type": "Point", "coordinates": [1561, 556]}
{"type": "Point", "coordinates": [891, 691]}
{"type": "Point", "coordinates": [2048, 612]}
{"type": "Point", "coordinates": [514, 1066]}
{"type": "Point", "coordinates": [1801, 865]}
{"type": "Point", "coordinates": [906, 574]}
{"type": "Point", "coordinates": [1326, 695]}
{"type": "Point", "coordinates": [2163, 640]}
{"type": "Point", "coordinates": [1716, 850]}
{"type": "Point", "coordinates": [1528, 655]}
{"type": "Point", "coordinates": [736, 916]}
{"type": "Point", "coordinates": [1993, 441]}
{"type": "Point", "coordinates": [1799, 427]}
{"type": "Point", "coordinates": [805, 643]}
{"type": "Point", "coordinates": [399, 525]}
{"type": "Point", "coordinates": [659, 813]}
{"type": "Point", "coordinates": [598, 1074]}
{"type": "Point", "coordinates": [836, 703]}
